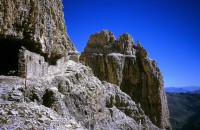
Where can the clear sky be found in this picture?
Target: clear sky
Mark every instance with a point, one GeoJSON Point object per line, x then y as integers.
{"type": "Point", "coordinates": [168, 29]}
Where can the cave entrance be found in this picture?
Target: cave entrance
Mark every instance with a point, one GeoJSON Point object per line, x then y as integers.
{"type": "Point", "coordinates": [9, 50]}
{"type": "Point", "coordinates": [48, 99]}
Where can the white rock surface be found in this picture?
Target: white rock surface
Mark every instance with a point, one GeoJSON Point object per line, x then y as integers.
{"type": "Point", "coordinates": [73, 99]}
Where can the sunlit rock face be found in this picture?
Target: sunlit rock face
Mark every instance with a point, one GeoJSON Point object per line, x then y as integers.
{"type": "Point", "coordinates": [38, 24]}
{"type": "Point", "coordinates": [120, 62]}
{"type": "Point", "coordinates": [71, 99]}
{"type": "Point", "coordinates": [51, 91]}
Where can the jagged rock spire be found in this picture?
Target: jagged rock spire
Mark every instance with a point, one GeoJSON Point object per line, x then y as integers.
{"type": "Point", "coordinates": [127, 65]}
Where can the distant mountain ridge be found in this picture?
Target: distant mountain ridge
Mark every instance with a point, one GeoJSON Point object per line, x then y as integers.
{"type": "Point", "coordinates": [188, 89]}
{"type": "Point", "coordinates": [184, 110]}
{"type": "Point", "coordinates": [184, 107]}
{"type": "Point", "coordinates": [196, 92]}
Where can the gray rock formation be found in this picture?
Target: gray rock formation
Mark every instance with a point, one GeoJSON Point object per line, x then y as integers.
{"type": "Point", "coordinates": [71, 99]}
{"type": "Point", "coordinates": [37, 24]}
{"type": "Point", "coordinates": [50, 90]}
{"type": "Point", "coordinates": [127, 65]}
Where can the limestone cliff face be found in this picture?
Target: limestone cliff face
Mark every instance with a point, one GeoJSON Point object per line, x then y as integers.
{"type": "Point", "coordinates": [38, 24]}
{"type": "Point", "coordinates": [65, 95]}
{"type": "Point", "coordinates": [71, 99]}
{"type": "Point", "coordinates": [122, 63]}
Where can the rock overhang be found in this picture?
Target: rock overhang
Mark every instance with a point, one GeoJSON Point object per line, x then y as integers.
{"type": "Point", "coordinates": [39, 25]}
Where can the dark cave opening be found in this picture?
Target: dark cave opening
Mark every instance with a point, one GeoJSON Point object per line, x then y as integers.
{"type": "Point", "coordinates": [48, 99]}
{"type": "Point", "coordinates": [9, 50]}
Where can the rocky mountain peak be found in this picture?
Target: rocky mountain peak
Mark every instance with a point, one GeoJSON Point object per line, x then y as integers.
{"type": "Point", "coordinates": [101, 38]}
{"type": "Point", "coordinates": [125, 44]}
{"type": "Point", "coordinates": [129, 66]}
{"type": "Point", "coordinates": [43, 85]}
{"type": "Point", "coordinates": [104, 42]}
{"type": "Point", "coordinates": [126, 39]}
{"type": "Point", "coordinates": [138, 44]}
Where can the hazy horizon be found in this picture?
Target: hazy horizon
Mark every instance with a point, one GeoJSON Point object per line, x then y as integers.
{"type": "Point", "coordinates": [168, 29]}
{"type": "Point", "coordinates": [182, 86]}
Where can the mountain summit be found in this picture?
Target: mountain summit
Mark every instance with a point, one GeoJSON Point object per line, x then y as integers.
{"type": "Point", "coordinates": [121, 62]}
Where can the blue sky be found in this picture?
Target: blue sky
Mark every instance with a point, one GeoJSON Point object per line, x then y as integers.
{"type": "Point", "coordinates": [168, 29]}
